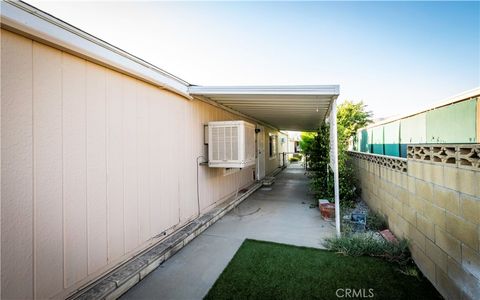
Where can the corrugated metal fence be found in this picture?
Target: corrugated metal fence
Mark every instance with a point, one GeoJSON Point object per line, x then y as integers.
{"type": "Point", "coordinates": [454, 123]}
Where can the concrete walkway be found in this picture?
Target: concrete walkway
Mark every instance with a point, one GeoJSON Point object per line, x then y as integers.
{"type": "Point", "coordinates": [279, 213]}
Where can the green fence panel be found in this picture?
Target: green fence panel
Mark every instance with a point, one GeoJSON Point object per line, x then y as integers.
{"type": "Point", "coordinates": [370, 140]}
{"type": "Point", "coordinates": [478, 120]}
{"type": "Point", "coordinates": [377, 139]}
{"type": "Point", "coordinates": [413, 130]}
{"type": "Point", "coordinates": [363, 140]}
{"type": "Point", "coordinates": [455, 123]}
{"type": "Point", "coordinates": [391, 138]}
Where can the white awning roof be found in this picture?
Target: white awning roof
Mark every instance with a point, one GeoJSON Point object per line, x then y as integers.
{"type": "Point", "coordinates": [301, 108]}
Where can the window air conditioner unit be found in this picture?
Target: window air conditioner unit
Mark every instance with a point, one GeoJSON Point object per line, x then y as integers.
{"type": "Point", "coordinates": [231, 144]}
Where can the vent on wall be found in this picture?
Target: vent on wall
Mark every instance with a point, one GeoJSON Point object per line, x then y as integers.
{"type": "Point", "coordinates": [231, 144]}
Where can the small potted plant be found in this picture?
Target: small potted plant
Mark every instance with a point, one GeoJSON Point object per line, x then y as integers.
{"type": "Point", "coordinates": [327, 209]}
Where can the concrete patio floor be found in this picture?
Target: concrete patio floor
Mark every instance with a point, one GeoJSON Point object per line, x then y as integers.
{"type": "Point", "coordinates": [280, 213]}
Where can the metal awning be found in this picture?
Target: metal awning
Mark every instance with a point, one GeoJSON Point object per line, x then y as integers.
{"type": "Point", "coordinates": [301, 108]}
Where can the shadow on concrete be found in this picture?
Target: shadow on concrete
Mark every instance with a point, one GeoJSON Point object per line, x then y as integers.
{"type": "Point", "coordinates": [279, 213]}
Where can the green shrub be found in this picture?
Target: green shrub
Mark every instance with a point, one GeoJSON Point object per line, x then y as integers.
{"type": "Point", "coordinates": [369, 245]}
{"type": "Point", "coordinates": [293, 159]}
{"type": "Point", "coordinates": [298, 155]}
{"type": "Point", "coordinates": [376, 221]}
{"type": "Point", "coordinates": [316, 147]}
{"type": "Point", "coordinates": [347, 227]}
{"type": "Point", "coordinates": [317, 152]}
{"type": "Point", "coordinates": [346, 205]}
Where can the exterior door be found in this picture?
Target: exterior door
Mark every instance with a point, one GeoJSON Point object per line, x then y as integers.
{"type": "Point", "coordinates": [260, 171]}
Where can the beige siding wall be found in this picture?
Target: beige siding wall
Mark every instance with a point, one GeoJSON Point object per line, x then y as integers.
{"type": "Point", "coordinates": [437, 207]}
{"type": "Point", "coordinates": [17, 167]}
{"type": "Point", "coordinates": [282, 147]}
{"type": "Point", "coordinates": [1, 168]}
{"type": "Point", "coordinates": [95, 165]}
{"type": "Point", "coordinates": [271, 163]}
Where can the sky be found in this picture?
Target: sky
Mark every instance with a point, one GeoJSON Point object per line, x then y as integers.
{"type": "Point", "coordinates": [397, 57]}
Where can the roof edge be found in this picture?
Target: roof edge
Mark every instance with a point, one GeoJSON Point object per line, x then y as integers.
{"type": "Point", "coordinates": [233, 111]}
{"type": "Point", "coordinates": [43, 27]}
{"type": "Point", "coordinates": [323, 90]}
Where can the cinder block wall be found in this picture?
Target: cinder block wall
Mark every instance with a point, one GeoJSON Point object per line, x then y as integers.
{"type": "Point", "coordinates": [436, 205]}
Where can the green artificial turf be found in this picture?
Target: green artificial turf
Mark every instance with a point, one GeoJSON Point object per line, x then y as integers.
{"type": "Point", "coordinates": [265, 270]}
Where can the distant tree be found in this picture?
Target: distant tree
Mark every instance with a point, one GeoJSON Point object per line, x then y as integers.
{"type": "Point", "coordinates": [306, 141]}
{"type": "Point", "coordinates": [351, 116]}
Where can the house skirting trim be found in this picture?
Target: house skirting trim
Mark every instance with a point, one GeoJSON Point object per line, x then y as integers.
{"type": "Point", "coordinates": [117, 282]}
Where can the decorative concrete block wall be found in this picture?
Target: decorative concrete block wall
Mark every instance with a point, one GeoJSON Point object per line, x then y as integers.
{"type": "Point", "coordinates": [431, 198]}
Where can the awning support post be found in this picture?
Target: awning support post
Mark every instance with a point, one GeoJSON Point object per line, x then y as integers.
{"type": "Point", "coordinates": [334, 162]}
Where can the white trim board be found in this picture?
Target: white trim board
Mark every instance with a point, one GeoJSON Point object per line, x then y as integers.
{"type": "Point", "coordinates": [38, 25]}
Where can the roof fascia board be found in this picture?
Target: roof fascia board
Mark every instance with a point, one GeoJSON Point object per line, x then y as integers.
{"type": "Point", "coordinates": [204, 92]}
{"type": "Point", "coordinates": [327, 113]}
{"type": "Point", "coordinates": [298, 90]}
{"type": "Point", "coordinates": [216, 104]}
{"type": "Point", "coordinates": [314, 90]}
{"type": "Point", "coordinates": [29, 21]}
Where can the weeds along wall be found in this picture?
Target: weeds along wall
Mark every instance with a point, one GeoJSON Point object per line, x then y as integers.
{"type": "Point", "coordinates": [96, 166]}
{"type": "Point", "coordinates": [431, 198]}
{"type": "Point", "coordinates": [457, 122]}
